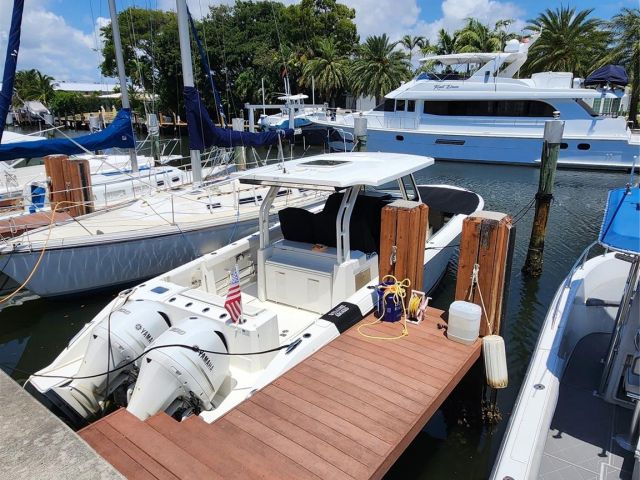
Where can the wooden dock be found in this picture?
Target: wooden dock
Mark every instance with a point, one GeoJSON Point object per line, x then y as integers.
{"type": "Point", "coordinates": [348, 412]}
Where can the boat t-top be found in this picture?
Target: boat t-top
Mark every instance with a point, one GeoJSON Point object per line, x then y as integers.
{"type": "Point", "coordinates": [301, 282]}
{"type": "Point", "coordinates": [478, 110]}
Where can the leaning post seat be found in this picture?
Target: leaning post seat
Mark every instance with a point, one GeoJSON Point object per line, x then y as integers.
{"type": "Point", "coordinates": [300, 225]}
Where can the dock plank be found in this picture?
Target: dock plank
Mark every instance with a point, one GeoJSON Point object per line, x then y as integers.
{"type": "Point", "coordinates": [348, 411]}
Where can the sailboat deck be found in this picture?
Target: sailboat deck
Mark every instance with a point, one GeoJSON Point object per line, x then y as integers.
{"type": "Point", "coordinates": [348, 411]}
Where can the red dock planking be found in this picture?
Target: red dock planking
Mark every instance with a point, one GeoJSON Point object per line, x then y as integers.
{"type": "Point", "coordinates": [348, 411]}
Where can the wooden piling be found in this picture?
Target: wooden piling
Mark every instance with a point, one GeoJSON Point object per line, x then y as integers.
{"type": "Point", "coordinates": [553, 130]}
{"type": "Point", "coordinates": [403, 227]}
{"type": "Point", "coordinates": [487, 240]}
{"type": "Point", "coordinates": [69, 184]}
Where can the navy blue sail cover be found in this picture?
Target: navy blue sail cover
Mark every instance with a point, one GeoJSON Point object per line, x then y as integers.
{"type": "Point", "coordinates": [609, 74]}
{"type": "Point", "coordinates": [118, 134]}
{"type": "Point", "coordinates": [621, 223]}
{"type": "Point", "coordinates": [208, 72]}
{"type": "Point", "coordinates": [10, 62]}
{"type": "Point", "coordinates": [203, 133]}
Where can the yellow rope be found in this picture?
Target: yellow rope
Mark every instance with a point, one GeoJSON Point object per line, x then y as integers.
{"type": "Point", "coordinates": [399, 292]}
{"type": "Point", "coordinates": [42, 252]}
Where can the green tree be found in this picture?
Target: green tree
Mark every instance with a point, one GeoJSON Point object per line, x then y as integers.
{"type": "Point", "coordinates": [476, 37]}
{"type": "Point", "coordinates": [34, 85]}
{"type": "Point", "coordinates": [379, 68]}
{"type": "Point", "coordinates": [625, 50]}
{"type": "Point", "coordinates": [66, 103]}
{"type": "Point", "coordinates": [329, 69]}
{"type": "Point", "coordinates": [411, 42]}
{"type": "Point", "coordinates": [151, 53]}
{"type": "Point", "coordinates": [569, 41]}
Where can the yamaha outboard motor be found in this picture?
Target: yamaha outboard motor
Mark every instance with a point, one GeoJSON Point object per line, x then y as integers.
{"type": "Point", "coordinates": [178, 379]}
{"type": "Point", "coordinates": [132, 327]}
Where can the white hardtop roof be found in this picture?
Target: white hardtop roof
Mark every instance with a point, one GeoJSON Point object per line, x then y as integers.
{"type": "Point", "coordinates": [472, 57]}
{"type": "Point", "coordinates": [338, 170]}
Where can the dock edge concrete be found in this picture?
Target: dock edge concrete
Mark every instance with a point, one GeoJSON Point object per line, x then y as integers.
{"type": "Point", "coordinates": [34, 443]}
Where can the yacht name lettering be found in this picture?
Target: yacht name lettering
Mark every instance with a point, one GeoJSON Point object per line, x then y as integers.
{"type": "Point", "coordinates": [446, 86]}
{"type": "Point", "coordinates": [207, 361]}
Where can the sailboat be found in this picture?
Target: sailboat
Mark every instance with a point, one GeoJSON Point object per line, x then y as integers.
{"type": "Point", "coordinates": [157, 232]}
{"type": "Point", "coordinates": [115, 177]}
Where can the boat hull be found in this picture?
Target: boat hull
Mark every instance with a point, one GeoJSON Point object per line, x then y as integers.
{"type": "Point", "coordinates": [609, 154]}
{"type": "Point", "coordinates": [98, 266]}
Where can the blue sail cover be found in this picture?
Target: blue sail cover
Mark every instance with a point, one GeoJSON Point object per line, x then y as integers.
{"type": "Point", "coordinates": [621, 224]}
{"type": "Point", "coordinates": [118, 134]}
{"type": "Point", "coordinates": [10, 62]}
{"type": "Point", "coordinates": [609, 74]}
{"type": "Point", "coordinates": [208, 71]}
{"type": "Point", "coordinates": [204, 134]}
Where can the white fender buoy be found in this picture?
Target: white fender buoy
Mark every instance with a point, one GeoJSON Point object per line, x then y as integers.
{"type": "Point", "coordinates": [495, 361]}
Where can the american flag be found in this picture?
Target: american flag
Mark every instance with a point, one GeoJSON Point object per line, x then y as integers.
{"type": "Point", "coordinates": [233, 303]}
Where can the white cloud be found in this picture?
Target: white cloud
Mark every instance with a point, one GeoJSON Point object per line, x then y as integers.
{"type": "Point", "coordinates": [65, 52]}
{"type": "Point", "coordinates": [50, 44]}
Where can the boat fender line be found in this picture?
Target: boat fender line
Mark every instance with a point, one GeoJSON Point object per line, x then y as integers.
{"type": "Point", "coordinates": [493, 348]}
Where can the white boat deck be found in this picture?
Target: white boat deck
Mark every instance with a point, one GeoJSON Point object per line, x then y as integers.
{"type": "Point", "coordinates": [580, 443]}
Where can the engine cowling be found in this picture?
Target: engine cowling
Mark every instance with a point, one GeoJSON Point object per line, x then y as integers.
{"type": "Point", "coordinates": [173, 374]}
{"type": "Point", "coordinates": [133, 327]}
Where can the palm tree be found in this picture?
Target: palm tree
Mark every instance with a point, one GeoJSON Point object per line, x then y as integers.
{"type": "Point", "coordinates": [329, 69]}
{"type": "Point", "coordinates": [625, 50]}
{"type": "Point", "coordinates": [410, 42]}
{"type": "Point", "coordinates": [569, 41]}
{"type": "Point", "coordinates": [379, 67]}
{"type": "Point", "coordinates": [476, 37]}
{"type": "Point", "coordinates": [500, 30]}
{"type": "Point", "coordinates": [445, 45]}
{"type": "Point", "coordinates": [34, 85]}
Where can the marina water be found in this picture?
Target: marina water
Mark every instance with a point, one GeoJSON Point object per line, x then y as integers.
{"type": "Point", "coordinates": [455, 444]}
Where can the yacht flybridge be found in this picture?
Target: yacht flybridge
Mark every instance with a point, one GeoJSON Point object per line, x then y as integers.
{"type": "Point", "coordinates": [490, 116]}
{"type": "Point", "coordinates": [303, 281]}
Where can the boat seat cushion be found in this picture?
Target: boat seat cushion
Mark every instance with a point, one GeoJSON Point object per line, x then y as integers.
{"type": "Point", "coordinates": [297, 224]}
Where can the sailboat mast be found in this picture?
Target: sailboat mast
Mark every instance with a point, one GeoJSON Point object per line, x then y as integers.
{"type": "Point", "coordinates": [11, 61]}
{"type": "Point", "coordinates": [187, 75]}
{"type": "Point", "coordinates": [115, 28]}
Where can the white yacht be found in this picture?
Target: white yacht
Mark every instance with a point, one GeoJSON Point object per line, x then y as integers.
{"type": "Point", "coordinates": [303, 281]}
{"type": "Point", "coordinates": [578, 409]}
{"type": "Point", "coordinates": [490, 116]}
{"type": "Point", "coordinates": [292, 104]}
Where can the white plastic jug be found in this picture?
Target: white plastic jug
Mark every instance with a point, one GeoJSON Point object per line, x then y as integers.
{"type": "Point", "coordinates": [464, 322]}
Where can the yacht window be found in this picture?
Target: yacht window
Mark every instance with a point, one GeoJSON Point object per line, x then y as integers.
{"type": "Point", "coordinates": [591, 111]}
{"type": "Point", "coordinates": [399, 105]}
{"type": "Point", "coordinates": [411, 105]}
{"type": "Point", "coordinates": [387, 106]}
{"type": "Point", "coordinates": [490, 108]}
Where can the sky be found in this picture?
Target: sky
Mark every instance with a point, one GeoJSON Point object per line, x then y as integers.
{"type": "Point", "coordinates": [61, 37]}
